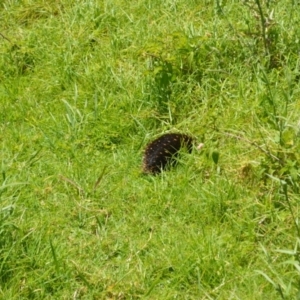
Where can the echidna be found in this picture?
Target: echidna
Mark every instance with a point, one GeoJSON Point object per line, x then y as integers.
{"type": "Point", "coordinates": [163, 151]}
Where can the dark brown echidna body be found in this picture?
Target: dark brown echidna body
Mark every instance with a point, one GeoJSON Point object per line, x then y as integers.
{"type": "Point", "coordinates": [162, 152]}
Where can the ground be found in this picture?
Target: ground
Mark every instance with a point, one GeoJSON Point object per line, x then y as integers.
{"type": "Point", "coordinates": [85, 86]}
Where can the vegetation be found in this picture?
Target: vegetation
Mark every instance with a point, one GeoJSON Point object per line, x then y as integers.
{"type": "Point", "coordinates": [85, 85]}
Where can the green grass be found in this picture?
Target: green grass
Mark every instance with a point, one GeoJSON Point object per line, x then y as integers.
{"type": "Point", "coordinates": [85, 85]}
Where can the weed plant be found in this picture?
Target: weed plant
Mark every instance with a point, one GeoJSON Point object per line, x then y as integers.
{"type": "Point", "coordinates": [85, 85]}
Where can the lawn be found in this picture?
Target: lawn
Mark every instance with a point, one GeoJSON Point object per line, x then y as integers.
{"type": "Point", "coordinates": [85, 86]}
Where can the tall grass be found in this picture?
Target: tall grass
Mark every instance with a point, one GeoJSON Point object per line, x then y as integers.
{"type": "Point", "coordinates": [84, 86]}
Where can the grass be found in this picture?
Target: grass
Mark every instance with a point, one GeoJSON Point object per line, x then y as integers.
{"type": "Point", "coordinates": [84, 86]}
